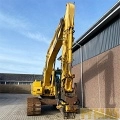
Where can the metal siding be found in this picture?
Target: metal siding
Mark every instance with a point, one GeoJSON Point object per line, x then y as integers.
{"type": "Point", "coordinates": [75, 57]}
{"type": "Point", "coordinates": [98, 44]}
{"type": "Point", "coordinates": [95, 46]}
{"type": "Point", "coordinates": [87, 50]}
{"type": "Point", "coordinates": [101, 38]}
{"type": "Point", "coordinates": [119, 31]}
{"type": "Point", "coordinates": [79, 56]}
{"type": "Point", "coordinates": [107, 39]}
{"type": "Point", "coordinates": [73, 62]}
{"type": "Point", "coordinates": [104, 41]}
{"type": "Point", "coordinates": [114, 35]}
{"type": "Point", "coordinates": [110, 32]}
{"type": "Point", "coordinates": [84, 53]}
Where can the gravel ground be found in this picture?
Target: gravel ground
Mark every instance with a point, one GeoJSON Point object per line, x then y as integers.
{"type": "Point", "coordinates": [13, 107]}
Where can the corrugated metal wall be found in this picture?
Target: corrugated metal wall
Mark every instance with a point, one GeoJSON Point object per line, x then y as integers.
{"type": "Point", "coordinates": [105, 40]}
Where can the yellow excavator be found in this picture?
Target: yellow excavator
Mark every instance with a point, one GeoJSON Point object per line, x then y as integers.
{"type": "Point", "coordinates": [56, 87]}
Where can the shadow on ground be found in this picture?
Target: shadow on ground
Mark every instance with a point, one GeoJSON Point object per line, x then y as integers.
{"type": "Point", "coordinates": [49, 110]}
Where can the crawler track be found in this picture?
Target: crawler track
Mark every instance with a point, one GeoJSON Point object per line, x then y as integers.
{"type": "Point", "coordinates": [33, 106]}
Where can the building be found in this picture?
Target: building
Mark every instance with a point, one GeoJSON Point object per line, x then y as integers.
{"type": "Point", "coordinates": [96, 62]}
{"type": "Point", "coordinates": [11, 78]}
{"type": "Point", "coordinates": [17, 83]}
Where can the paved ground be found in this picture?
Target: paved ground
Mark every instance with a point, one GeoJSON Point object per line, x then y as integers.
{"type": "Point", "coordinates": [13, 107]}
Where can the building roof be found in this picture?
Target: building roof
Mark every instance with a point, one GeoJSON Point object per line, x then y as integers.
{"type": "Point", "coordinates": [19, 77]}
{"type": "Point", "coordinates": [98, 26]}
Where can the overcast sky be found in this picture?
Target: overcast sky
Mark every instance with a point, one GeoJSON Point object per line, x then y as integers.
{"type": "Point", "coordinates": [27, 28]}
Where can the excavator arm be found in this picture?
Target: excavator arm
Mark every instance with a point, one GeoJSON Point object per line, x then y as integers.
{"type": "Point", "coordinates": [52, 53]}
{"type": "Point", "coordinates": [68, 101]}
{"type": "Point", "coordinates": [66, 60]}
{"type": "Point", "coordinates": [46, 86]}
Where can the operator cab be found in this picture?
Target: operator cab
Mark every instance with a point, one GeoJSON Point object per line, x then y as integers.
{"type": "Point", "coordinates": [57, 75]}
{"type": "Point", "coordinates": [57, 82]}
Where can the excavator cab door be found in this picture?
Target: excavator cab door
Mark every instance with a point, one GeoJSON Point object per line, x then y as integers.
{"type": "Point", "coordinates": [57, 83]}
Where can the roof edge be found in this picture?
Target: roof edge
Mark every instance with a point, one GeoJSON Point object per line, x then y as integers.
{"type": "Point", "coordinates": [106, 16]}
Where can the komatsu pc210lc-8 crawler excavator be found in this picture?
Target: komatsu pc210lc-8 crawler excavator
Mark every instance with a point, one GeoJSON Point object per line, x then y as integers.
{"type": "Point", "coordinates": [56, 86]}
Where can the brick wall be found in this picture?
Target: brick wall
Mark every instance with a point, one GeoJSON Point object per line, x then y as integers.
{"type": "Point", "coordinates": [101, 80]}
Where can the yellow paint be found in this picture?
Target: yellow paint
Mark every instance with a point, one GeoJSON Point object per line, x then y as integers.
{"type": "Point", "coordinates": [63, 38]}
